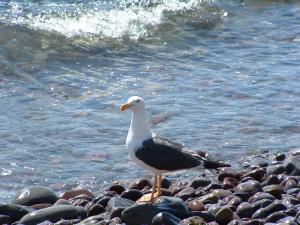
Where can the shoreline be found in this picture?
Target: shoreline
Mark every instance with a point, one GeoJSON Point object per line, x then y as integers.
{"type": "Point", "coordinates": [267, 192]}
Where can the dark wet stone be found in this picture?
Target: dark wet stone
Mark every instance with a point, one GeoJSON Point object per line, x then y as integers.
{"type": "Point", "coordinates": [117, 204]}
{"type": "Point", "coordinates": [5, 219]}
{"type": "Point", "coordinates": [165, 219]}
{"type": "Point", "coordinates": [292, 165]}
{"type": "Point", "coordinates": [177, 189]}
{"type": "Point", "coordinates": [274, 217]}
{"type": "Point", "coordinates": [95, 210]}
{"type": "Point", "coordinates": [274, 189]}
{"type": "Point", "coordinates": [259, 161]}
{"type": "Point", "coordinates": [200, 182]}
{"type": "Point", "coordinates": [74, 193]}
{"type": "Point", "coordinates": [207, 216]}
{"type": "Point", "coordinates": [34, 195]}
{"type": "Point", "coordinates": [256, 174]}
{"type": "Point", "coordinates": [196, 205]}
{"type": "Point", "coordinates": [94, 219]}
{"type": "Point", "coordinates": [272, 179]}
{"type": "Point", "coordinates": [140, 184]}
{"type": "Point", "coordinates": [243, 195]}
{"type": "Point", "coordinates": [226, 174]}
{"type": "Point", "coordinates": [224, 215]}
{"type": "Point", "coordinates": [290, 201]}
{"type": "Point", "coordinates": [264, 212]}
{"type": "Point", "coordinates": [251, 222]}
{"type": "Point", "coordinates": [290, 184]}
{"type": "Point", "coordinates": [244, 210]}
{"type": "Point", "coordinates": [230, 182]}
{"type": "Point", "coordinates": [54, 214]}
{"type": "Point", "coordinates": [132, 194]}
{"type": "Point", "coordinates": [165, 183]}
{"type": "Point", "coordinates": [275, 169]}
{"type": "Point", "coordinates": [82, 197]}
{"type": "Point", "coordinates": [279, 157]}
{"type": "Point", "coordinates": [79, 202]}
{"type": "Point", "coordinates": [261, 204]}
{"type": "Point", "coordinates": [293, 191]}
{"type": "Point", "coordinates": [250, 186]}
{"type": "Point", "coordinates": [186, 193]}
{"type": "Point", "coordinates": [208, 198]}
{"type": "Point", "coordinates": [259, 196]}
{"type": "Point", "coordinates": [62, 202]}
{"type": "Point", "coordinates": [104, 200]}
{"type": "Point", "coordinates": [41, 206]}
{"type": "Point", "coordinates": [212, 186]}
{"type": "Point", "coordinates": [16, 212]}
{"type": "Point", "coordinates": [220, 193]}
{"type": "Point", "coordinates": [234, 222]}
{"type": "Point", "coordinates": [192, 220]}
{"type": "Point", "coordinates": [236, 201]}
{"type": "Point", "coordinates": [143, 213]}
{"type": "Point", "coordinates": [117, 188]}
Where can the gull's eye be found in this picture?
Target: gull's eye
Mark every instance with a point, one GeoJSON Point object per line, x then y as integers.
{"type": "Point", "coordinates": [138, 100]}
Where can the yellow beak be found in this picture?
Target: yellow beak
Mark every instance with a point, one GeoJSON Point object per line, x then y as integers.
{"type": "Point", "coordinates": [124, 106]}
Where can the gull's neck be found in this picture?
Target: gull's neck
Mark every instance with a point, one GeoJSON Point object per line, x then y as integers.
{"type": "Point", "coordinates": [139, 127]}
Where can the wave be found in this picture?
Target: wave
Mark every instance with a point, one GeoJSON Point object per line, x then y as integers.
{"type": "Point", "coordinates": [132, 20]}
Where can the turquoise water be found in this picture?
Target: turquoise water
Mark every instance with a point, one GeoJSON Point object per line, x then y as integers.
{"type": "Point", "coordinates": [227, 73]}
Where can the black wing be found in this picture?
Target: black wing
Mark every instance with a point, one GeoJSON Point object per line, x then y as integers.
{"type": "Point", "coordinates": [164, 154]}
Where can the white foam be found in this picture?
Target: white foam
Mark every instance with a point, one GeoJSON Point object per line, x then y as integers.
{"type": "Point", "coordinates": [135, 21]}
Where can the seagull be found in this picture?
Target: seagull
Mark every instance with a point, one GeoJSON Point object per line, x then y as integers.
{"type": "Point", "coordinates": [155, 153]}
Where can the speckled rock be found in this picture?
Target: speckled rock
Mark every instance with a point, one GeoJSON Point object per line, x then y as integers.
{"type": "Point", "coordinates": [54, 214]}
{"type": "Point", "coordinates": [34, 195]}
{"type": "Point", "coordinates": [144, 213]}
{"type": "Point", "coordinates": [224, 215]}
{"type": "Point", "coordinates": [165, 219]}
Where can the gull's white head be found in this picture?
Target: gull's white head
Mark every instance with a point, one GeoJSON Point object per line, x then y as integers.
{"type": "Point", "coordinates": [134, 103]}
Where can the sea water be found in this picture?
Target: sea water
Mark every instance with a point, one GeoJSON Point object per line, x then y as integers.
{"type": "Point", "coordinates": [228, 73]}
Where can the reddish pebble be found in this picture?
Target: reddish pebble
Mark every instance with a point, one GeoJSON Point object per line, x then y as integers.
{"type": "Point", "coordinates": [196, 205]}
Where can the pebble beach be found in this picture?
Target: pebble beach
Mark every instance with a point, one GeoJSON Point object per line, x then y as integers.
{"type": "Point", "coordinates": [267, 191]}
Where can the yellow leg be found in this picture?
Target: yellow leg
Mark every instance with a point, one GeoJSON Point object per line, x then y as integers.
{"type": "Point", "coordinates": [150, 197]}
{"type": "Point", "coordinates": [153, 188]}
{"type": "Point", "coordinates": [159, 185]}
